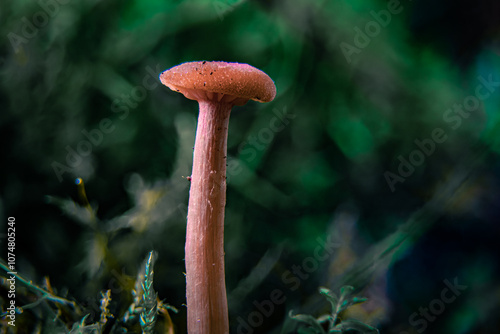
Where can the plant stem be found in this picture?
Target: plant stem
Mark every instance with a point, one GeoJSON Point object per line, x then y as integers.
{"type": "Point", "coordinates": [205, 281]}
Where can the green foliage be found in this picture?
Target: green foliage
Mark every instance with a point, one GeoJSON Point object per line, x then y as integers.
{"type": "Point", "coordinates": [145, 307]}
{"type": "Point", "coordinates": [98, 327]}
{"type": "Point", "coordinates": [332, 322]}
{"type": "Point", "coordinates": [149, 297]}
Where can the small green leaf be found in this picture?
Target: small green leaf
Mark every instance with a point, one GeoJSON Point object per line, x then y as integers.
{"type": "Point", "coordinates": [334, 331]}
{"type": "Point", "coordinates": [325, 318]}
{"type": "Point", "coordinates": [355, 325]}
{"type": "Point", "coordinates": [309, 320]}
{"type": "Point", "coordinates": [82, 322]}
{"type": "Point", "coordinates": [346, 291]}
{"type": "Point", "coordinates": [81, 328]}
{"type": "Point", "coordinates": [353, 301]}
{"type": "Point", "coordinates": [330, 296]}
{"type": "Point", "coordinates": [357, 300]}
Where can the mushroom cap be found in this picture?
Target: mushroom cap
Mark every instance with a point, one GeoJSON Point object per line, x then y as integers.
{"type": "Point", "coordinates": [232, 83]}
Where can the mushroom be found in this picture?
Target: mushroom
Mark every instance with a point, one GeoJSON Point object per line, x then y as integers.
{"type": "Point", "coordinates": [217, 86]}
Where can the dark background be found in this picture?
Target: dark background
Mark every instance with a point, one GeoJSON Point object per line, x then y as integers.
{"type": "Point", "coordinates": [74, 67]}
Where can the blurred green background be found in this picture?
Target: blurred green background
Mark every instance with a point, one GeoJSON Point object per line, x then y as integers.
{"type": "Point", "coordinates": [388, 144]}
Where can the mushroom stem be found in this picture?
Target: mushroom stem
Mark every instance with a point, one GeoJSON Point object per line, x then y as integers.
{"type": "Point", "coordinates": [205, 282]}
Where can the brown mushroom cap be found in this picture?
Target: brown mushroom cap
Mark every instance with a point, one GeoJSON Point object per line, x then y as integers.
{"type": "Point", "coordinates": [233, 83]}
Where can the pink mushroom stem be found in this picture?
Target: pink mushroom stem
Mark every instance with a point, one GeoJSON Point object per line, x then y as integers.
{"type": "Point", "coordinates": [206, 287]}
